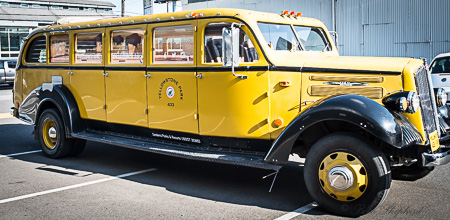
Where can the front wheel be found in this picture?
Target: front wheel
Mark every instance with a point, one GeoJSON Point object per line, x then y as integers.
{"type": "Point", "coordinates": [346, 174]}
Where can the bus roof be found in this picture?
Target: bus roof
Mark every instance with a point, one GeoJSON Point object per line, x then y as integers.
{"type": "Point", "coordinates": [241, 14]}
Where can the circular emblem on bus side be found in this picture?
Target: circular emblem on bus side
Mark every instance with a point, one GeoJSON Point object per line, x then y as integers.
{"type": "Point", "coordinates": [170, 92]}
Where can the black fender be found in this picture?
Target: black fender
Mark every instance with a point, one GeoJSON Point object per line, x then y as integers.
{"type": "Point", "coordinates": [390, 127]}
{"type": "Point", "coordinates": [61, 97]}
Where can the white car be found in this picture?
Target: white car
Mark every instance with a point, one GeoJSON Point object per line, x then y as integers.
{"type": "Point", "coordinates": [7, 71]}
{"type": "Point", "coordinates": [440, 72]}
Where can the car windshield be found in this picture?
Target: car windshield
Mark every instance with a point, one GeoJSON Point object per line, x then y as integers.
{"type": "Point", "coordinates": [282, 37]}
{"type": "Point", "coordinates": [440, 65]}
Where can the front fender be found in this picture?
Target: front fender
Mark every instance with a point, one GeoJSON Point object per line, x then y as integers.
{"type": "Point", "coordinates": [390, 127]}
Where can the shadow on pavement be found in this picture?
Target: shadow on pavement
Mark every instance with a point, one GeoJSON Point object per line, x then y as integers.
{"type": "Point", "coordinates": [215, 182]}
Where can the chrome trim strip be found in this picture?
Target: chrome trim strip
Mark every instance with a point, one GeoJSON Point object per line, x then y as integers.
{"type": "Point", "coordinates": [435, 159]}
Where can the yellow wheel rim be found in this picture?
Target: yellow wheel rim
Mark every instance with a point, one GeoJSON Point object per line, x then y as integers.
{"type": "Point", "coordinates": [343, 176]}
{"type": "Point", "coordinates": [49, 133]}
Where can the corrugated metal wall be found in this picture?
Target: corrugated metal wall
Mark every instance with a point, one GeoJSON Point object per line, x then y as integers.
{"type": "Point", "coordinates": [400, 28]}
{"type": "Point", "coordinates": [320, 9]}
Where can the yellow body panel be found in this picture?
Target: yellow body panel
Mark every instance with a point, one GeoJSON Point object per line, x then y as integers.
{"type": "Point", "coordinates": [173, 108]}
{"type": "Point", "coordinates": [172, 101]}
{"type": "Point", "coordinates": [284, 92]}
{"type": "Point", "coordinates": [218, 103]}
{"type": "Point", "coordinates": [33, 77]}
{"type": "Point", "coordinates": [126, 91]}
{"type": "Point", "coordinates": [388, 84]}
{"type": "Point", "coordinates": [126, 98]}
{"type": "Point", "coordinates": [232, 107]}
{"type": "Point", "coordinates": [229, 106]}
{"type": "Point", "coordinates": [88, 88]}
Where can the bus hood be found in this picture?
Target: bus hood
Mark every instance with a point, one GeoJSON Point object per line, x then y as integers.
{"type": "Point", "coordinates": [316, 63]}
{"type": "Point", "coordinates": [370, 64]}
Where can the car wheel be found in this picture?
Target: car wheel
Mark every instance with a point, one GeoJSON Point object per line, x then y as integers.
{"type": "Point", "coordinates": [52, 136]}
{"type": "Point", "coordinates": [346, 174]}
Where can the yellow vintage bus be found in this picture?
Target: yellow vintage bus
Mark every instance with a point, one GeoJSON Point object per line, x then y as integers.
{"type": "Point", "coordinates": [236, 87]}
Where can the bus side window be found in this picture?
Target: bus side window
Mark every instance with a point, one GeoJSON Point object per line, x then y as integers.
{"type": "Point", "coordinates": [88, 48]}
{"type": "Point", "coordinates": [126, 46]}
{"type": "Point", "coordinates": [213, 44]}
{"type": "Point", "coordinates": [173, 45]}
{"type": "Point", "coordinates": [59, 48]}
{"type": "Point", "coordinates": [37, 51]}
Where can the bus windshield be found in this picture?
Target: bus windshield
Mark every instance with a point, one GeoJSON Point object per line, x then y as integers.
{"type": "Point", "coordinates": [284, 37]}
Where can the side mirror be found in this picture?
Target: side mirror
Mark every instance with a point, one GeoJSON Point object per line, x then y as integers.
{"type": "Point", "coordinates": [230, 46]}
{"type": "Point", "coordinates": [334, 34]}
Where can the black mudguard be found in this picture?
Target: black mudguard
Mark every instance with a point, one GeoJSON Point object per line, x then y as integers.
{"type": "Point", "coordinates": [390, 127]}
{"type": "Point", "coordinates": [61, 97]}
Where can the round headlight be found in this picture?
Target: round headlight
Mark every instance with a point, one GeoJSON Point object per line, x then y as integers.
{"type": "Point", "coordinates": [413, 102]}
{"type": "Point", "coordinates": [441, 97]}
{"type": "Point", "coordinates": [402, 104]}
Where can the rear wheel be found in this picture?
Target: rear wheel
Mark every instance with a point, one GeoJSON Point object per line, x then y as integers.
{"type": "Point", "coordinates": [78, 147]}
{"type": "Point", "coordinates": [346, 175]}
{"type": "Point", "coordinates": [52, 135]}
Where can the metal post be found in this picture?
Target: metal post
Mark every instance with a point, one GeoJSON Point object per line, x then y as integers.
{"type": "Point", "coordinates": [123, 8]}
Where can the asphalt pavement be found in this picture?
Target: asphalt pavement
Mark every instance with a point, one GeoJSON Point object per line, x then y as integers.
{"type": "Point", "coordinates": [109, 182]}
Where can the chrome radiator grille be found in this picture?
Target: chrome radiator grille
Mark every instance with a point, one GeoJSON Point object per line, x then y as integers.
{"type": "Point", "coordinates": [427, 102]}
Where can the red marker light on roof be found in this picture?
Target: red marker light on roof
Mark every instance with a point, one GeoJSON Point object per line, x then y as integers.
{"type": "Point", "coordinates": [193, 14]}
{"type": "Point", "coordinates": [292, 13]}
{"type": "Point", "coordinates": [285, 13]}
{"type": "Point", "coordinates": [299, 14]}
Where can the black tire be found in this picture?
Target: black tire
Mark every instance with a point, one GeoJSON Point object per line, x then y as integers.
{"type": "Point", "coordinates": [59, 146]}
{"type": "Point", "coordinates": [373, 171]}
{"type": "Point", "coordinates": [410, 173]}
{"type": "Point", "coordinates": [11, 84]}
{"type": "Point", "coordinates": [77, 148]}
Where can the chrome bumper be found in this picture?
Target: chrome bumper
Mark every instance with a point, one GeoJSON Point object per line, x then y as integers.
{"type": "Point", "coordinates": [14, 112]}
{"type": "Point", "coordinates": [436, 159]}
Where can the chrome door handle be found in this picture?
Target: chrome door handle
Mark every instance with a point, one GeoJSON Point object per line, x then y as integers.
{"type": "Point", "coordinates": [106, 74]}
{"type": "Point", "coordinates": [147, 75]}
{"type": "Point", "coordinates": [199, 76]}
{"type": "Point", "coordinates": [70, 73]}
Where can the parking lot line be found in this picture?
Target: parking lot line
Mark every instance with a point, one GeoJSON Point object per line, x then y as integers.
{"type": "Point", "coordinates": [298, 211]}
{"type": "Point", "coordinates": [5, 115]}
{"type": "Point", "coordinates": [17, 154]}
{"type": "Point", "coordinates": [75, 186]}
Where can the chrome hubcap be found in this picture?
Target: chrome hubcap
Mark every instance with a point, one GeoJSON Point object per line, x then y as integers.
{"type": "Point", "coordinates": [52, 132]}
{"type": "Point", "coordinates": [340, 178]}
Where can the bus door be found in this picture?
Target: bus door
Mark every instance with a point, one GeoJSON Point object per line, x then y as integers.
{"type": "Point", "coordinates": [231, 106]}
{"type": "Point", "coordinates": [172, 82]}
{"type": "Point", "coordinates": [87, 73]}
{"type": "Point", "coordinates": [125, 81]}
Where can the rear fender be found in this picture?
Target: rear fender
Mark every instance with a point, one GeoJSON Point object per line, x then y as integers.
{"type": "Point", "coordinates": [58, 96]}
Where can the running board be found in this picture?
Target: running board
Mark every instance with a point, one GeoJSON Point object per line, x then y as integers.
{"type": "Point", "coordinates": [181, 150]}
